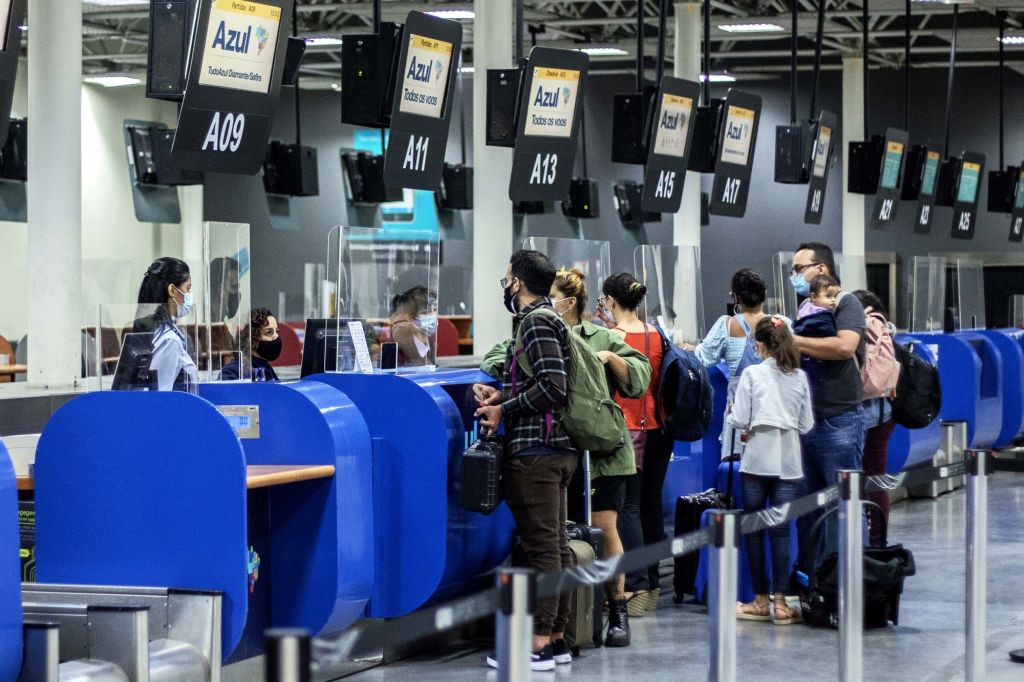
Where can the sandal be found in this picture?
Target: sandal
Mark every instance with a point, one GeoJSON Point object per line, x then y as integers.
{"type": "Point", "coordinates": [754, 610]}
{"type": "Point", "coordinates": [783, 614]}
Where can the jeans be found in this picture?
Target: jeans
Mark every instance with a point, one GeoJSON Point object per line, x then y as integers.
{"type": "Point", "coordinates": [757, 490]}
{"type": "Point", "coordinates": [642, 520]}
{"type": "Point", "coordinates": [535, 489]}
{"type": "Point", "coordinates": [833, 444]}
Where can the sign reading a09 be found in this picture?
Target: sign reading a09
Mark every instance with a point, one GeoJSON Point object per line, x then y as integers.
{"type": "Point", "coordinates": [225, 132]}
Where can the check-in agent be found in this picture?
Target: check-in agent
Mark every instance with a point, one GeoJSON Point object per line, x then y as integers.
{"type": "Point", "coordinates": [167, 285]}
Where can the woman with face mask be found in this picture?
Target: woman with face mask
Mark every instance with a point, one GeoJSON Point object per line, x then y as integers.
{"type": "Point", "coordinates": [265, 344]}
{"type": "Point", "coordinates": [165, 297]}
{"type": "Point", "coordinates": [413, 322]}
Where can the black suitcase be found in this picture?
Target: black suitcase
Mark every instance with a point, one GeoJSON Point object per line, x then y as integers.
{"type": "Point", "coordinates": [688, 511]}
{"type": "Point", "coordinates": [481, 475]}
{"type": "Point", "coordinates": [586, 540]}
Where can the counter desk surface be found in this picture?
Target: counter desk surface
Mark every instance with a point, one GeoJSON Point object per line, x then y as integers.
{"type": "Point", "coordinates": [256, 475]}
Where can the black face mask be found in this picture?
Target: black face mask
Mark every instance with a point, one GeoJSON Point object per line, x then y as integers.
{"type": "Point", "coordinates": [269, 350]}
{"type": "Point", "coordinates": [510, 300]}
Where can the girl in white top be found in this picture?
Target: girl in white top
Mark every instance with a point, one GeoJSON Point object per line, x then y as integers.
{"type": "Point", "coordinates": [773, 405]}
{"type": "Point", "coordinates": [164, 298]}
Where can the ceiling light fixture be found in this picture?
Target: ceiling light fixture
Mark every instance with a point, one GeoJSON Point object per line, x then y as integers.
{"type": "Point", "coordinates": [114, 3]}
{"type": "Point", "coordinates": [1012, 40]}
{"type": "Point", "coordinates": [750, 28]}
{"type": "Point", "coordinates": [112, 80]}
{"type": "Point", "coordinates": [721, 77]}
{"type": "Point", "coordinates": [467, 69]}
{"type": "Point", "coordinates": [453, 14]}
{"type": "Point", "coordinates": [602, 51]}
{"type": "Point", "coordinates": [322, 41]}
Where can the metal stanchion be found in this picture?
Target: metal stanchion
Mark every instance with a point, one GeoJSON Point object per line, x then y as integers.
{"type": "Point", "coordinates": [722, 602]}
{"type": "Point", "coordinates": [514, 628]}
{"type": "Point", "coordinates": [287, 655]}
{"type": "Point", "coordinates": [978, 467]}
{"type": "Point", "coordinates": [851, 577]}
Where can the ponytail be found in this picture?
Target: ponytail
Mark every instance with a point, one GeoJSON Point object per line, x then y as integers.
{"type": "Point", "coordinates": [775, 335]}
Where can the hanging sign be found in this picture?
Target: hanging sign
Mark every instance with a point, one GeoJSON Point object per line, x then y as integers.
{"type": "Point", "coordinates": [894, 158]}
{"type": "Point", "coordinates": [926, 199]}
{"type": "Point", "coordinates": [234, 79]}
{"type": "Point", "coordinates": [965, 202]}
{"type": "Point", "coordinates": [821, 162]}
{"type": "Point", "coordinates": [12, 17]}
{"type": "Point", "coordinates": [550, 108]}
{"type": "Point", "coordinates": [668, 149]}
{"type": "Point", "coordinates": [422, 111]}
{"type": "Point", "coordinates": [1017, 212]}
{"type": "Point", "coordinates": [736, 141]}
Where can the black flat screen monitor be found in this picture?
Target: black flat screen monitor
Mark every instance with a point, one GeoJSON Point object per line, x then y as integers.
{"type": "Point", "coordinates": [320, 347]}
{"type": "Point", "coordinates": [133, 372]}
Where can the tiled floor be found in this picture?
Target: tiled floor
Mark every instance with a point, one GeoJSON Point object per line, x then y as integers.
{"type": "Point", "coordinates": [927, 646]}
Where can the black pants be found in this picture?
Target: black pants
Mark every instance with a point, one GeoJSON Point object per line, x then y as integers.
{"type": "Point", "coordinates": [642, 521]}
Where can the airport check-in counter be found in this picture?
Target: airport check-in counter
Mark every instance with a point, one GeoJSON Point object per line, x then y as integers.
{"type": "Point", "coordinates": [910, 447]}
{"type": "Point", "coordinates": [1009, 342]}
{"type": "Point", "coordinates": [971, 374]}
{"type": "Point", "coordinates": [10, 572]}
{"type": "Point", "coordinates": [426, 546]}
{"type": "Point", "coordinates": [711, 444]}
{"type": "Point", "coordinates": [158, 489]}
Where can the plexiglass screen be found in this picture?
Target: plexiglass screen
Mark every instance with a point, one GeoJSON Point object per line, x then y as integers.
{"type": "Point", "coordinates": [143, 347]}
{"type": "Point", "coordinates": [967, 294]}
{"type": "Point", "coordinates": [781, 295]}
{"type": "Point", "coordinates": [592, 258]}
{"type": "Point", "coordinates": [675, 297]}
{"type": "Point", "coordinates": [927, 294]}
{"type": "Point", "coordinates": [226, 338]}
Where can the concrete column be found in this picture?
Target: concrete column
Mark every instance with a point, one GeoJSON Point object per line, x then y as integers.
{"type": "Point", "coordinates": [54, 192]}
{"type": "Point", "coordinates": [687, 54]}
{"type": "Point", "coordinates": [493, 31]}
{"type": "Point", "coordinates": [853, 204]}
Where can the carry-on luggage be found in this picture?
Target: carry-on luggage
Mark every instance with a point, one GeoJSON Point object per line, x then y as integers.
{"type": "Point", "coordinates": [689, 509]}
{"type": "Point", "coordinates": [586, 542]}
{"type": "Point", "coordinates": [885, 569]}
{"type": "Point", "coordinates": [481, 475]}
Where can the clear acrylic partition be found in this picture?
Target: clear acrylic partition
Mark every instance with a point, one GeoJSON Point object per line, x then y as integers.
{"type": "Point", "coordinates": [105, 281]}
{"type": "Point", "coordinates": [781, 295]}
{"type": "Point", "coordinates": [969, 293]}
{"type": "Point", "coordinates": [225, 293]}
{"type": "Point", "coordinates": [388, 284]}
{"type": "Point", "coordinates": [317, 299]}
{"type": "Point", "coordinates": [675, 298]}
{"type": "Point", "coordinates": [1017, 311]}
{"type": "Point", "coordinates": [852, 271]}
{"type": "Point", "coordinates": [927, 294]}
{"type": "Point", "coordinates": [118, 326]}
{"type": "Point", "coordinates": [593, 258]}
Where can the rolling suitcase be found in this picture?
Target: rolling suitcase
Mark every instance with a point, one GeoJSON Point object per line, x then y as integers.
{"type": "Point", "coordinates": [689, 509]}
{"type": "Point", "coordinates": [586, 542]}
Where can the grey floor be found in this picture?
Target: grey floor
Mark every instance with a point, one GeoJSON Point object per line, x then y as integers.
{"type": "Point", "coordinates": [928, 645]}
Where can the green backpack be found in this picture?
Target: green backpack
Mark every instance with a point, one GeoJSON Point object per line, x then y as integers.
{"type": "Point", "coordinates": [590, 417]}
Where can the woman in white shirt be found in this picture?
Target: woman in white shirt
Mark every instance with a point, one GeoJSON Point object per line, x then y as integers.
{"type": "Point", "coordinates": [164, 298]}
{"type": "Point", "coordinates": [773, 405]}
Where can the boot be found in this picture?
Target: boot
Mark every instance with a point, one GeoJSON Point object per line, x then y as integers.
{"type": "Point", "coordinates": [618, 624]}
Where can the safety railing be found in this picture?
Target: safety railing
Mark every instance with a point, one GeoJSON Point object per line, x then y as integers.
{"type": "Point", "coordinates": [294, 656]}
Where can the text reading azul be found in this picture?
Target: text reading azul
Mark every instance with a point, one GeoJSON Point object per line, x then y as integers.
{"type": "Point", "coordinates": [671, 121]}
{"type": "Point", "coordinates": [232, 40]}
{"type": "Point", "coordinates": [418, 71]}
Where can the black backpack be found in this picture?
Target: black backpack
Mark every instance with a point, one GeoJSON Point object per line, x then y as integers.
{"type": "Point", "coordinates": [685, 396]}
{"type": "Point", "coordinates": [918, 392]}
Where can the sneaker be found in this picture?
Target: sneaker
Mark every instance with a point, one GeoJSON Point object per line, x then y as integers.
{"type": "Point", "coordinates": [560, 652]}
{"type": "Point", "coordinates": [540, 661]}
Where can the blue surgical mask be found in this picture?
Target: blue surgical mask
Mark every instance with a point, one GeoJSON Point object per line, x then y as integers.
{"type": "Point", "coordinates": [186, 305]}
{"type": "Point", "coordinates": [428, 323]}
{"type": "Point", "coordinates": [800, 284]}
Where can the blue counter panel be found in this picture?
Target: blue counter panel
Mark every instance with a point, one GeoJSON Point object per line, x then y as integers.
{"type": "Point", "coordinates": [148, 489]}
{"type": "Point", "coordinates": [321, 532]}
{"type": "Point", "coordinates": [711, 444]}
{"type": "Point", "coordinates": [10, 572]}
{"type": "Point", "coordinates": [1008, 341]}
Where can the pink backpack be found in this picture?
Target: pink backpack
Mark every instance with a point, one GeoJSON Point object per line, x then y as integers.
{"type": "Point", "coordinates": [881, 370]}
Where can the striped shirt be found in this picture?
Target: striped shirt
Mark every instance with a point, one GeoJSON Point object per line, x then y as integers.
{"type": "Point", "coordinates": [530, 404]}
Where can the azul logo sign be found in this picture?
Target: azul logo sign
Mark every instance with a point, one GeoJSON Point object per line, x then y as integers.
{"type": "Point", "coordinates": [240, 46]}
{"type": "Point", "coordinates": [670, 139]}
{"type": "Point", "coordinates": [426, 76]}
{"type": "Point", "coordinates": [552, 106]}
{"type": "Point", "coordinates": [739, 127]}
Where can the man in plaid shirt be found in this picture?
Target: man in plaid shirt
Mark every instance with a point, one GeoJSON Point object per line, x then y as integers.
{"type": "Point", "coordinates": [540, 457]}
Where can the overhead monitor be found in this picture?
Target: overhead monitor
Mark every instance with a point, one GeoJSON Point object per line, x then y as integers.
{"type": "Point", "coordinates": [891, 163]}
{"type": "Point", "coordinates": [967, 185]}
{"type": "Point", "coordinates": [820, 162]}
{"type": "Point", "coordinates": [1017, 213]}
{"type": "Point", "coordinates": [736, 143]}
{"type": "Point", "coordinates": [822, 150]}
{"type": "Point", "coordinates": [926, 199]}
{"type": "Point", "coordinates": [890, 176]}
{"type": "Point", "coordinates": [235, 68]}
{"type": "Point", "coordinates": [670, 138]}
{"type": "Point", "coordinates": [12, 15]}
{"type": "Point", "coordinates": [1018, 194]}
{"type": "Point", "coordinates": [965, 203]}
{"type": "Point", "coordinates": [171, 23]}
{"type": "Point", "coordinates": [422, 109]}
{"type": "Point", "coordinates": [5, 18]}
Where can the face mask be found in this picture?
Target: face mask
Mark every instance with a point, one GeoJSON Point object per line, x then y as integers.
{"type": "Point", "coordinates": [510, 300]}
{"type": "Point", "coordinates": [561, 311]}
{"type": "Point", "coordinates": [269, 350]}
{"type": "Point", "coordinates": [428, 323]}
{"type": "Point", "coordinates": [800, 284]}
{"type": "Point", "coordinates": [186, 305]}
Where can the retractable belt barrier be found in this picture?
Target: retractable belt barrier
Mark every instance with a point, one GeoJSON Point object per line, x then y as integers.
{"type": "Point", "coordinates": [363, 640]}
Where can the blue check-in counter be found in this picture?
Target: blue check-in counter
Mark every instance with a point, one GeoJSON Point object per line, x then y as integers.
{"type": "Point", "coordinates": [971, 374]}
{"type": "Point", "coordinates": [909, 447]}
{"type": "Point", "coordinates": [711, 443]}
{"type": "Point", "coordinates": [1010, 343]}
{"type": "Point", "coordinates": [270, 506]}
{"type": "Point", "coordinates": [10, 572]}
{"type": "Point", "coordinates": [426, 546]}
